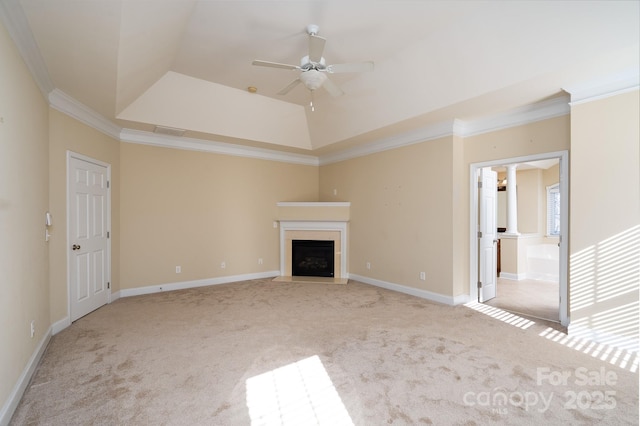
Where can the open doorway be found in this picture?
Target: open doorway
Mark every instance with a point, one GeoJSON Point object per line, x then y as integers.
{"type": "Point", "coordinates": [531, 273]}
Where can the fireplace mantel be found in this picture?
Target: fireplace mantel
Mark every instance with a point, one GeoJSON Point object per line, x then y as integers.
{"type": "Point", "coordinates": [314, 220]}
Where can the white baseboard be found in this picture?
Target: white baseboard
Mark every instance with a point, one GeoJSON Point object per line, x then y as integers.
{"type": "Point", "coordinates": [15, 396]}
{"type": "Point", "coordinates": [58, 326]}
{"type": "Point", "coordinates": [423, 294]}
{"type": "Point", "coordinates": [137, 291]}
{"type": "Point", "coordinates": [510, 276]}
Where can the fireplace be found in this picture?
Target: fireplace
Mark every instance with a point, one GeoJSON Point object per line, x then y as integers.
{"type": "Point", "coordinates": [312, 258]}
{"type": "Point", "coordinates": [323, 223]}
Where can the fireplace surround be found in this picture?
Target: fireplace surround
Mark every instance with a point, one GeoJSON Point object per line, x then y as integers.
{"type": "Point", "coordinates": [318, 222]}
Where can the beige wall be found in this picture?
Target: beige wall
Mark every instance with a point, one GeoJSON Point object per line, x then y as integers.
{"type": "Point", "coordinates": [535, 138]}
{"type": "Point", "coordinates": [196, 210]}
{"type": "Point", "coordinates": [67, 134]}
{"type": "Point", "coordinates": [24, 199]}
{"type": "Point", "coordinates": [605, 216]}
{"type": "Point", "coordinates": [401, 212]}
{"type": "Point", "coordinates": [410, 206]}
{"type": "Point", "coordinates": [529, 203]}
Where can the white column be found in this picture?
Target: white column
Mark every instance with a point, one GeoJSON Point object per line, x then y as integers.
{"type": "Point", "coordinates": [512, 201]}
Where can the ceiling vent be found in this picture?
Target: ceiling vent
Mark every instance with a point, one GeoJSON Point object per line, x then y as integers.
{"type": "Point", "coordinates": [170, 131]}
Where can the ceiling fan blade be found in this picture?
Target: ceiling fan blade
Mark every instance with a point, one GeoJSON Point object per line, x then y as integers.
{"type": "Point", "coordinates": [275, 65]}
{"type": "Point", "coordinates": [291, 85]}
{"type": "Point", "coordinates": [316, 47]}
{"type": "Point", "coordinates": [354, 67]}
{"type": "Point", "coordinates": [332, 88]}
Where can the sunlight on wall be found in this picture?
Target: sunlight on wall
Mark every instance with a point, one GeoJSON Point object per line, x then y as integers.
{"type": "Point", "coordinates": [620, 357]}
{"type": "Point", "coordinates": [501, 315]}
{"type": "Point", "coordinates": [612, 264]}
{"type": "Point", "coordinates": [605, 279]}
{"type": "Point", "coordinates": [300, 393]}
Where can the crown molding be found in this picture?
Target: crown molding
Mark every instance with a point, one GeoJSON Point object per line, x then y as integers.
{"type": "Point", "coordinates": [431, 132]}
{"type": "Point", "coordinates": [614, 84]}
{"type": "Point", "coordinates": [519, 116]}
{"type": "Point", "coordinates": [544, 110]}
{"type": "Point", "coordinates": [192, 144]}
{"type": "Point", "coordinates": [531, 113]}
{"type": "Point", "coordinates": [73, 108]}
{"type": "Point", "coordinates": [17, 26]}
{"type": "Point", "coordinates": [70, 106]}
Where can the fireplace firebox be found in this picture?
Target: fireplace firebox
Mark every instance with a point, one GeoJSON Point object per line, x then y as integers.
{"type": "Point", "coordinates": [312, 258]}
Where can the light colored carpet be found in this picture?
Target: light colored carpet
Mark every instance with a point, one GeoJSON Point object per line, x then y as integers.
{"type": "Point", "coordinates": [529, 297]}
{"type": "Point", "coordinates": [264, 352]}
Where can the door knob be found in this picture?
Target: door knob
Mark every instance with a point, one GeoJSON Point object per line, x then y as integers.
{"type": "Point", "coordinates": [75, 247]}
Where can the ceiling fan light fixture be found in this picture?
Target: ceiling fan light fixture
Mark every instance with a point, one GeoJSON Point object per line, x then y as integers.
{"type": "Point", "coordinates": [313, 79]}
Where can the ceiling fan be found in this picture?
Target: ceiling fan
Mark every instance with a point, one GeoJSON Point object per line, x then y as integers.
{"type": "Point", "coordinates": [314, 69]}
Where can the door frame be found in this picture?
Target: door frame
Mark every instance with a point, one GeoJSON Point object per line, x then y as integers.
{"type": "Point", "coordinates": [563, 157]}
{"type": "Point", "coordinates": [75, 155]}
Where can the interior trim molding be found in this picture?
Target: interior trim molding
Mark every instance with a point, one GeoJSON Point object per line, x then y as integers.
{"type": "Point", "coordinates": [60, 325]}
{"type": "Point", "coordinates": [17, 25]}
{"type": "Point", "coordinates": [73, 108]}
{"type": "Point", "coordinates": [614, 84]}
{"type": "Point", "coordinates": [14, 19]}
{"type": "Point", "coordinates": [192, 144]}
{"type": "Point", "coordinates": [513, 277]}
{"type": "Point", "coordinates": [428, 133]}
{"type": "Point", "coordinates": [158, 288]}
{"type": "Point", "coordinates": [15, 396]}
{"type": "Point", "coordinates": [423, 294]}
{"type": "Point", "coordinates": [544, 110]}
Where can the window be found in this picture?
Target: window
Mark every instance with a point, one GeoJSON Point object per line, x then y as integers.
{"type": "Point", "coordinates": [553, 210]}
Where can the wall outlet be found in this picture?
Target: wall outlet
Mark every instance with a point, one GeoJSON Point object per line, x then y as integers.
{"type": "Point", "coordinates": [223, 264]}
{"type": "Point", "coordinates": [178, 269]}
{"type": "Point", "coordinates": [335, 192]}
{"type": "Point", "coordinates": [368, 265]}
{"type": "Point", "coordinates": [260, 262]}
{"type": "Point", "coordinates": [423, 276]}
{"type": "Point", "coordinates": [33, 328]}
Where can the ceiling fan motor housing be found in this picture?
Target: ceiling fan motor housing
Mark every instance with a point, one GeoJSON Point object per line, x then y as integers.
{"type": "Point", "coordinates": [306, 64]}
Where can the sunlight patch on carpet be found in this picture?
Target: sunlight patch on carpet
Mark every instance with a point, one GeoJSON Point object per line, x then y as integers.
{"type": "Point", "coordinates": [300, 393]}
{"type": "Point", "coordinates": [618, 356]}
{"type": "Point", "coordinates": [501, 315]}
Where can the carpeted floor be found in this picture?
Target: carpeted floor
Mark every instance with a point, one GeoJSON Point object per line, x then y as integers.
{"type": "Point", "coordinates": [534, 298]}
{"type": "Point", "coordinates": [263, 352]}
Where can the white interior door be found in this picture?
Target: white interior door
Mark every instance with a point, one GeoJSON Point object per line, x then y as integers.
{"type": "Point", "coordinates": [487, 237]}
{"type": "Point", "coordinates": [89, 257]}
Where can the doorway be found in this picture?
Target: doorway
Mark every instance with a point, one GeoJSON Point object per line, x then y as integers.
{"type": "Point", "coordinates": [88, 239]}
{"type": "Point", "coordinates": [536, 294]}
